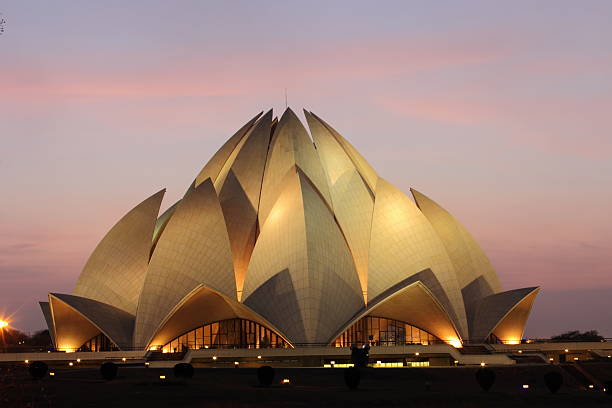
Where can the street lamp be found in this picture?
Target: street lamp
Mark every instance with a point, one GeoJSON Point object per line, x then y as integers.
{"type": "Point", "coordinates": [3, 324]}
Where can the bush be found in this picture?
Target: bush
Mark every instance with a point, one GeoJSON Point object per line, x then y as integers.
{"type": "Point", "coordinates": [553, 381]}
{"type": "Point", "coordinates": [352, 377]}
{"type": "Point", "coordinates": [485, 378]}
{"type": "Point", "coordinates": [183, 370]}
{"type": "Point", "coordinates": [38, 369]}
{"type": "Point", "coordinates": [109, 371]}
{"type": "Point", "coordinates": [265, 376]}
{"type": "Point", "coordinates": [608, 387]}
{"type": "Point", "coordinates": [360, 355]}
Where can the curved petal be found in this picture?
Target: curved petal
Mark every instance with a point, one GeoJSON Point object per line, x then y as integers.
{"type": "Point", "coordinates": [115, 271]}
{"type": "Point", "coordinates": [77, 319]}
{"type": "Point", "coordinates": [290, 146]}
{"type": "Point", "coordinates": [352, 201]}
{"type": "Point", "coordinates": [468, 258]}
{"type": "Point", "coordinates": [239, 196]}
{"type": "Point", "coordinates": [193, 249]}
{"type": "Point", "coordinates": [416, 305]}
{"type": "Point", "coordinates": [404, 243]}
{"type": "Point", "coordinates": [503, 314]}
{"type": "Point", "coordinates": [46, 310]}
{"type": "Point", "coordinates": [201, 307]}
{"type": "Point", "coordinates": [215, 164]}
{"type": "Point", "coordinates": [301, 268]}
{"type": "Point", "coordinates": [365, 170]}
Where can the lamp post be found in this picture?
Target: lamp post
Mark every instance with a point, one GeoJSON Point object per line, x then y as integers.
{"type": "Point", "coordinates": [3, 324]}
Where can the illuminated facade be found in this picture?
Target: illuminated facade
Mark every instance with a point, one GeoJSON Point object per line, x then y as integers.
{"type": "Point", "coordinates": [286, 238]}
{"type": "Point", "coordinates": [229, 333]}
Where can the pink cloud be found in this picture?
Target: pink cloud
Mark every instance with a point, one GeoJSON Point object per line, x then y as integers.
{"type": "Point", "coordinates": [567, 125]}
{"type": "Point", "coordinates": [245, 71]}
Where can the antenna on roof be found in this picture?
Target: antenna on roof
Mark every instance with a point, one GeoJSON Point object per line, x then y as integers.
{"type": "Point", "coordinates": [285, 98]}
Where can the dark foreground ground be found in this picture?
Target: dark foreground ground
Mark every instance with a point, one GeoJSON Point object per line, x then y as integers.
{"type": "Point", "coordinates": [310, 387]}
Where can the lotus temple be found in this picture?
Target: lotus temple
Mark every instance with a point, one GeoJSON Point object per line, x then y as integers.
{"type": "Point", "coordinates": [287, 239]}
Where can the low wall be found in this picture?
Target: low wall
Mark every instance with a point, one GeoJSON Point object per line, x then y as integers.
{"type": "Point", "coordinates": [130, 356]}
{"type": "Point", "coordinates": [434, 351]}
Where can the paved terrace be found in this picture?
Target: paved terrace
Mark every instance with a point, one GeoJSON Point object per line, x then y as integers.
{"type": "Point", "coordinates": [435, 353]}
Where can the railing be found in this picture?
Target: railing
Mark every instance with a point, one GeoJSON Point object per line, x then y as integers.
{"type": "Point", "coordinates": [467, 343]}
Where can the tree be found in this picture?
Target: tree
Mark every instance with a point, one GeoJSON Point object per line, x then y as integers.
{"type": "Point", "coordinates": [576, 335]}
{"type": "Point", "coordinates": [40, 338]}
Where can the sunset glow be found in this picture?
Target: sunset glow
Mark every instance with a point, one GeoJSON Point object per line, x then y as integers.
{"type": "Point", "coordinates": [500, 113]}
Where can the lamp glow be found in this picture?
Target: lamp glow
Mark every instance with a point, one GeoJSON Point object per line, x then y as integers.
{"type": "Point", "coordinates": [71, 364]}
{"type": "Point", "coordinates": [482, 364]}
{"type": "Point", "coordinates": [214, 357]}
{"type": "Point", "coordinates": [52, 374]}
{"type": "Point", "coordinates": [259, 357]}
{"type": "Point", "coordinates": [456, 343]}
{"type": "Point", "coordinates": [525, 386]}
{"type": "Point", "coordinates": [285, 381]}
{"type": "Point", "coordinates": [162, 377]}
{"type": "Point", "coordinates": [3, 324]}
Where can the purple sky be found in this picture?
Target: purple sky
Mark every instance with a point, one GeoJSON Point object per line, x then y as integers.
{"type": "Point", "coordinates": [499, 112]}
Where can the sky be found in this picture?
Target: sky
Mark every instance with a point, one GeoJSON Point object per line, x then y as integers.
{"type": "Point", "coordinates": [499, 111]}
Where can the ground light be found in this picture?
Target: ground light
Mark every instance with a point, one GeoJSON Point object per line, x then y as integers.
{"type": "Point", "coordinates": [591, 386]}
{"type": "Point", "coordinates": [482, 364]}
{"type": "Point", "coordinates": [525, 386]}
{"type": "Point", "coordinates": [71, 364]}
{"type": "Point", "coordinates": [259, 357]}
{"type": "Point", "coordinates": [286, 381]}
{"type": "Point", "coordinates": [26, 361]}
{"type": "Point", "coordinates": [78, 360]}
{"type": "Point", "coordinates": [123, 359]}
{"type": "Point", "coordinates": [162, 377]}
{"type": "Point", "coordinates": [214, 357]}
